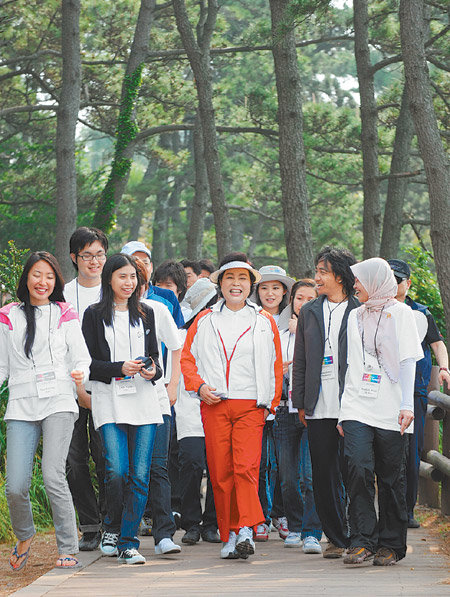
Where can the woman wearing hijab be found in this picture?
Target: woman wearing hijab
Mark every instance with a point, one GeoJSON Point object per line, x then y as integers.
{"type": "Point", "coordinates": [232, 360]}
{"type": "Point", "coordinates": [377, 408]}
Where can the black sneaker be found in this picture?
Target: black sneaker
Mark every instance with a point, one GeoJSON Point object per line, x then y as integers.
{"type": "Point", "coordinates": [130, 556]}
{"type": "Point", "coordinates": [108, 546]}
{"type": "Point", "coordinates": [191, 537]}
{"type": "Point", "coordinates": [90, 541]}
{"type": "Point", "coordinates": [413, 523]}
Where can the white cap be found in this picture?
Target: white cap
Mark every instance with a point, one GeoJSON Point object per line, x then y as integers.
{"type": "Point", "coordinates": [214, 277]}
{"type": "Point", "coordinates": [135, 246]}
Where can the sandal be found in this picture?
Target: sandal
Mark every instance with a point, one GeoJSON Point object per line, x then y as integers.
{"type": "Point", "coordinates": [68, 562]}
{"type": "Point", "coordinates": [18, 566]}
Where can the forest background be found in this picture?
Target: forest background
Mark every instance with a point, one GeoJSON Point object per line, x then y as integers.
{"type": "Point", "coordinates": [201, 126]}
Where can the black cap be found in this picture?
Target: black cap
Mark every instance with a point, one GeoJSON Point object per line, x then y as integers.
{"type": "Point", "coordinates": [400, 268]}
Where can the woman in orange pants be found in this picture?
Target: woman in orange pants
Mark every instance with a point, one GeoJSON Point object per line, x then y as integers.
{"type": "Point", "coordinates": [232, 361]}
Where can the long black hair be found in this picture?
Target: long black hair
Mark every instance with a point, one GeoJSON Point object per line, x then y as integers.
{"type": "Point", "coordinates": [23, 294]}
{"type": "Point", "coordinates": [309, 282]}
{"type": "Point", "coordinates": [339, 261]}
{"type": "Point", "coordinates": [106, 304]}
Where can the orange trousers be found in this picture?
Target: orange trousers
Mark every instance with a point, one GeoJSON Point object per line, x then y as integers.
{"type": "Point", "coordinates": [233, 438]}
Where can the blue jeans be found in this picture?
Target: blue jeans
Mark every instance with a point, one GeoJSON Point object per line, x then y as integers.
{"type": "Point", "coordinates": [128, 453]}
{"type": "Point", "coordinates": [294, 468]}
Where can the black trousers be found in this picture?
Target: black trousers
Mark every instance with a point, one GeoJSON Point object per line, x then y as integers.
{"type": "Point", "coordinates": [415, 452]}
{"type": "Point", "coordinates": [371, 451]}
{"type": "Point", "coordinates": [325, 448]}
{"type": "Point", "coordinates": [86, 442]}
{"type": "Point", "coordinates": [192, 460]}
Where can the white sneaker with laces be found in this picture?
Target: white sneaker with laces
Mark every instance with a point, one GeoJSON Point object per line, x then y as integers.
{"type": "Point", "coordinates": [311, 545]}
{"type": "Point", "coordinates": [281, 524]}
{"type": "Point", "coordinates": [245, 546]}
{"type": "Point", "coordinates": [293, 540]}
{"type": "Point", "coordinates": [130, 556]}
{"type": "Point", "coordinates": [108, 544]}
{"type": "Point", "coordinates": [166, 545]}
{"type": "Point", "coordinates": [228, 551]}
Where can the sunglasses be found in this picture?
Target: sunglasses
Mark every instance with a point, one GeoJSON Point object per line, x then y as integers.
{"type": "Point", "coordinates": [398, 279]}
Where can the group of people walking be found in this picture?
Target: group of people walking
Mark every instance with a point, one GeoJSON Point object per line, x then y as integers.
{"type": "Point", "coordinates": [293, 396]}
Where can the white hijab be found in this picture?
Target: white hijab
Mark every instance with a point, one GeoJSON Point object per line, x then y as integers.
{"type": "Point", "coordinates": [375, 323]}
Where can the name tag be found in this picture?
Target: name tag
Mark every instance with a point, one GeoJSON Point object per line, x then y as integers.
{"type": "Point", "coordinates": [125, 385]}
{"type": "Point", "coordinates": [328, 367]}
{"type": "Point", "coordinates": [370, 385]}
{"type": "Point", "coordinates": [46, 383]}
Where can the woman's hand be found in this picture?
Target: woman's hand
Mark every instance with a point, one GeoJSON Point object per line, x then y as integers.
{"type": "Point", "coordinates": [293, 324]}
{"type": "Point", "coordinates": [340, 429]}
{"type": "Point", "coordinates": [172, 392]}
{"type": "Point", "coordinates": [266, 413]}
{"type": "Point", "coordinates": [148, 374]}
{"type": "Point", "coordinates": [207, 395]}
{"type": "Point", "coordinates": [132, 367]}
{"type": "Point", "coordinates": [77, 376]}
{"type": "Point", "coordinates": [405, 418]}
{"type": "Point", "coordinates": [286, 366]}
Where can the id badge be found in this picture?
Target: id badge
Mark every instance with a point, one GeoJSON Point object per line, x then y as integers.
{"type": "Point", "coordinates": [125, 385]}
{"type": "Point", "coordinates": [370, 384]}
{"type": "Point", "coordinates": [328, 366]}
{"type": "Point", "coordinates": [46, 383]}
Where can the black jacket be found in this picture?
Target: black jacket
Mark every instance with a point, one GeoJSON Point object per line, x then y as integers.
{"type": "Point", "coordinates": [309, 351]}
{"type": "Point", "coordinates": [102, 369]}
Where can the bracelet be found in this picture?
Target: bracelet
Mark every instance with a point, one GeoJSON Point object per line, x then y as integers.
{"type": "Point", "coordinates": [200, 387]}
{"type": "Point", "coordinates": [444, 369]}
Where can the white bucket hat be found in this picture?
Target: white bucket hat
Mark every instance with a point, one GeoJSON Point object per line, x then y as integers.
{"type": "Point", "coordinates": [199, 295]}
{"type": "Point", "coordinates": [275, 272]}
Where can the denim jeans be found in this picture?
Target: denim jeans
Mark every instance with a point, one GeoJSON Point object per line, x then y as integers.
{"type": "Point", "coordinates": [294, 467]}
{"type": "Point", "coordinates": [86, 442]}
{"type": "Point", "coordinates": [21, 444]}
{"type": "Point", "coordinates": [128, 452]}
{"type": "Point", "coordinates": [269, 489]}
{"type": "Point", "coordinates": [159, 499]}
{"type": "Point", "coordinates": [415, 448]}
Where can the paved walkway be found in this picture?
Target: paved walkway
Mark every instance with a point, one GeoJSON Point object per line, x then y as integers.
{"type": "Point", "coordinates": [273, 570]}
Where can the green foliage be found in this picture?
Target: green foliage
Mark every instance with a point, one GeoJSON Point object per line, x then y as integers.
{"type": "Point", "coordinates": [11, 265]}
{"type": "Point", "coordinates": [424, 286]}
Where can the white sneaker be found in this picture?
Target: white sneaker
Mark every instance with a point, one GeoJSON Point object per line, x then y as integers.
{"type": "Point", "coordinates": [293, 540]}
{"type": "Point", "coordinates": [228, 551]}
{"type": "Point", "coordinates": [130, 556]}
{"type": "Point", "coordinates": [108, 544]}
{"type": "Point", "coordinates": [167, 546]}
{"type": "Point", "coordinates": [281, 524]}
{"type": "Point", "coordinates": [311, 545]}
{"type": "Point", "coordinates": [245, 546]}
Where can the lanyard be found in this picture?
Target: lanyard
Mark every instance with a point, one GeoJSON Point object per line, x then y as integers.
{"type": "Point", "coordinates": [129, 338]}
{"type": "Point", "coordinates": [331, 311]}
{"type": "Point", "coordinates": [228, 360]}
{"type": "Point", "coordinates": [374, 341]}
{"type": "Point", "coordinates": [78, 301]}
{"type": "Point", "coordinates": [48, 338]}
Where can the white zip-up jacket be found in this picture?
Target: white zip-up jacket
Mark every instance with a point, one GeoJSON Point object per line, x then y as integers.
{"type": "Point", "coordinates": [203, 359]}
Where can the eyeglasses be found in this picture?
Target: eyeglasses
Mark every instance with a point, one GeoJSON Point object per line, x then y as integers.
{"type": "Point", "coordinates": [90, 257]}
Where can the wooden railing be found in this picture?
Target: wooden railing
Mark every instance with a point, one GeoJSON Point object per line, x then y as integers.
{"type": "Point", "coordinates": [435, 466]}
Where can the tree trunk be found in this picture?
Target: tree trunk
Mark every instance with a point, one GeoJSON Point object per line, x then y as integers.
{"type": "Point", "coordinates": [160, 219]}
{"type": "Point", "coordinates": [67, 115]}
{"type": "Point", "coordinates": [369, 132]}
{"type": "Point", "coordinates": [126, 128]}
{"type": "Point", "coordinates": [139, 207]}
{"type": "Point", "coordinates": [198, 52]}
{"type": "Point", "coordinates": [412, 33]}
{"type": "Point", "coordinates": [397, 186]}
{"type": "Point", "coordinates": [201, 196]}
{"type": "Point", "coordinates": [294, 194]}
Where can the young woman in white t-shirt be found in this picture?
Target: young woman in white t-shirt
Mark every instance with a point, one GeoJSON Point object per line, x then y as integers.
{"type": "Point", "coordinates": [120, 334]}
{"type": "Point", "coordinates": [377, 408]}
{"type": "Point", "coordinates": [42, 354]}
